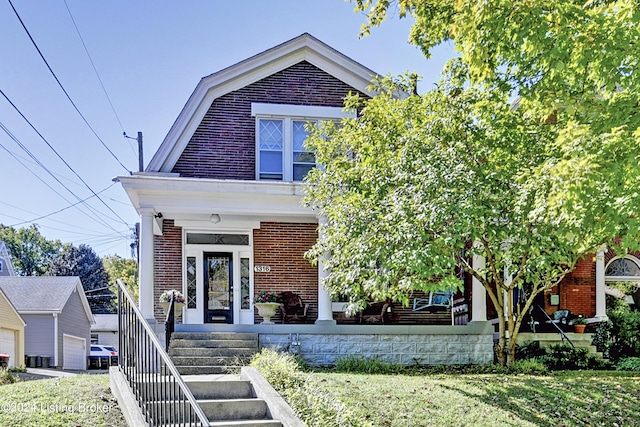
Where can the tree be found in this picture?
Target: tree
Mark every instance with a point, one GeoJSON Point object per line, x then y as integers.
{"type": "Point", "coordinates": [125, 269]}
{"type": "Point", "coordinates": [83, 262]}
{"type": "Point", "coordinates": [30, 251]}
{"type": "Point", "coordinates": [413, 188]}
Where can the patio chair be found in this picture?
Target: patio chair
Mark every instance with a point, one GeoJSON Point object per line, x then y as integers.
{"type": "Point", "coordinates": [376, 312]}
{"type": "Point", "coordinates": [293, 308]}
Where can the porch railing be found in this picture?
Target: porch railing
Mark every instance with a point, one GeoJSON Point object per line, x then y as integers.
{"type": "Point", "coordinates": [161, 393]}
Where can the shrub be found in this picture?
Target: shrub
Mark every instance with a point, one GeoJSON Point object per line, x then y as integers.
{"type": "Point", "coordinates": [565, 357]}
{"type": "Point", "coordinates": [6, 377]}
{"type": "Point", "coordinates": [533, 366]}
{"type": "Point", "coordinates": [628, 364]}
{"type": "Point", "coordinates": [305, 395]}
{"type": "Point", "coordinates": [625, 331]}
{"type": "Point", "coordinates": [529, 350]}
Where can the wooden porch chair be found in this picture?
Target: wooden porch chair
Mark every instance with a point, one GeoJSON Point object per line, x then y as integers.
{"type": "Point", "coordinates": [292, 307]}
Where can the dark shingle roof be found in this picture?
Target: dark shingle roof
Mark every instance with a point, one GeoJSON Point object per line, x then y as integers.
{"type": "Point", "coordinates": [38, 293]}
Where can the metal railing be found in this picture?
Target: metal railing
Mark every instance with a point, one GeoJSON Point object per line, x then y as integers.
{"type": "Point", "coordinates": [155, 382]}
{"type": "Point", "coordinates": [563, 336]}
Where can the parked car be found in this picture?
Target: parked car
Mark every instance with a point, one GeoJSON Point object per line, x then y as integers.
{"type": "Point", "coordinates": [102, 356]}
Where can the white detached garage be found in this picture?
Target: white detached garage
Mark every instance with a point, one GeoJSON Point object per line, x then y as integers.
{"type": "Point", "coordinates": [57, 316]}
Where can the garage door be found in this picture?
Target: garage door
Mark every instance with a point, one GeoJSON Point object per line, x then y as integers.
{"type": "Point", "coordinates": [8, 345]}
{"type": "Point", "coordinates": [74, 353]}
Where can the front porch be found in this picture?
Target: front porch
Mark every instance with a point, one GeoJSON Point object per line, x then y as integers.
{"type": "Point", "coordinates": [323, 344]}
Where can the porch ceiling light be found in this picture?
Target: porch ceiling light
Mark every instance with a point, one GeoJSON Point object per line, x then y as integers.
{"type": "Point", "coordinates": [215, 218]}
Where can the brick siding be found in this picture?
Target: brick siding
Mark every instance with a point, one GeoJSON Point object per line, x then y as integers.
{"type": "Point", "coordinates": [281, 246]}
{"type": "Point", "coordinates": [167, 263]}
{"type": "Point", "coordinates": [223, 146]}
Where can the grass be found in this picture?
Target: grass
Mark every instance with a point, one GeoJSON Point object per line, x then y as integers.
{"type": "Point", "coordinates": [82, 400]}
{"type": "Point", "coordinates": [577, 398]}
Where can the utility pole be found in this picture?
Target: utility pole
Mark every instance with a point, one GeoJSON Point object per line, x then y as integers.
{"type": "Point", "coordinates": [140, 158]}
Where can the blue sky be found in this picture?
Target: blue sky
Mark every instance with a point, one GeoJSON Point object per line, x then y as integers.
{"type": "Point", "coordinates": [149, 56]}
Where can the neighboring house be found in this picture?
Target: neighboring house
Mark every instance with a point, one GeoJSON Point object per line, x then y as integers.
{"type": "Point", "coordinates": [6, 267]}
{"type": "Point", "coordinates": [221, 213]}
{"type": "Point", "coordinates": [57, 315]}
{"type": "Point", "coordinates": [105, 330]}
{"type": "Point", "coordinates": [11, 332]}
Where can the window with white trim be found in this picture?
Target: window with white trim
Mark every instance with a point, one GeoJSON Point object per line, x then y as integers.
{"type": "Point", "coordinates": [281, 131]}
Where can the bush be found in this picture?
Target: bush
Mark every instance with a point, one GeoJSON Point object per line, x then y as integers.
{"type": "Point", "coordinates": [565, 357]}
{"type": "Point", "coordinates": [533, 366]}
{"type": "Point", "coordinates": [625, 331]}
{"type": "Point", "coordinates": [6, 377]}
{"type": "Point", "coordinates": [305, 395]}
{"type": "Point", "coordinates": [530, 350]}
{"type": "Point", "coordinates": [629, 364]}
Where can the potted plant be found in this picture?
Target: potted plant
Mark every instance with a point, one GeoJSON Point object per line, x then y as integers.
{"type": "Point", "coordinates": [267, 302]}
{"type": "Point", "coordinates": [579, 324]}
{"type": "Point", "coordinates": [178, 300]}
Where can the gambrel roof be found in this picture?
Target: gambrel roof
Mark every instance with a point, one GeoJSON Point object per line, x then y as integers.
{"type": "Point", "coordinates": [302, 48]}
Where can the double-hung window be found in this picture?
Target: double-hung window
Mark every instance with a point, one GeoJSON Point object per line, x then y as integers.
{"type": "Point", "coordinates": [281, 131]}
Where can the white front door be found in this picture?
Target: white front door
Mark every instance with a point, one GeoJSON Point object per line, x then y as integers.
{"type": "Point", "coordinates": [8, 345]}
{"type": "Point", "coordinates": [74, 353]}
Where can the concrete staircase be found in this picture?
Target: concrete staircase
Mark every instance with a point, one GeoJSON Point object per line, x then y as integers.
{"type": "Point", "coordinates": [230, 401]}
{"type": "Point", "coordinates": [196, 353]}
{"type": "Point", "coordinates": [205, 359]}
{"type": "Point", "coordinates": [548, 339]}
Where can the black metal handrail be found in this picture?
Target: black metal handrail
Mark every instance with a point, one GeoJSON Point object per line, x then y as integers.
{"type": "Point", "coordinates": [161, 393]}
{"type": "Point", "coordinates": [169, 323]}
{"type": "Point", "coordinates": [563, 336]}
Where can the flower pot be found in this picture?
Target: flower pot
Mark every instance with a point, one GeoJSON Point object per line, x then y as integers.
{"type": "Point", "coordinates": [267, 310]}
{"type": "Point", "coordinates": [177, 307]}
{"type": "Point", "coordinates": [579, 329]}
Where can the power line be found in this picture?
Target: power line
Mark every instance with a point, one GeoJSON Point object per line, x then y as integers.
{"type": "Point", "coordinates": [35, 159]}
{"type": "Point", "coordinates": [61, 210]}
{"type": "Point", "coordinates": [63, 89]}
{"type": "Point", "coordinates": [94, 66]}
{"type": "Point", "coordinates": [60, 157]}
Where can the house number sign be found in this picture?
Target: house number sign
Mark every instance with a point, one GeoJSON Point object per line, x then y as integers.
{"type": "Point", "coordinates": [262, 268]}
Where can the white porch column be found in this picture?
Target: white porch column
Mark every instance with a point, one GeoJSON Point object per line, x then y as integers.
{"type": "Point", "coordinates": [325, 312]}
{"type": "Point", "coordinates": [478, 292]}
{"type": "Point", "coordinates": [601, 306]}
{"type": "Point", "coordinates": [146, 264]}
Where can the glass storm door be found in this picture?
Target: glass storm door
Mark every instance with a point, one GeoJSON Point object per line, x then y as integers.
{"type": "Point", "coordinates": [218, 286]}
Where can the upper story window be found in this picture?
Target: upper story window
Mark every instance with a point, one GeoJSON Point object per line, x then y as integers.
{"type": "Point", "coordinates": [280, 136]}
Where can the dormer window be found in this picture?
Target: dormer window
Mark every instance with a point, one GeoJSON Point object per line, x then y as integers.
{"type": "Point", "coordinates": [280, 136]}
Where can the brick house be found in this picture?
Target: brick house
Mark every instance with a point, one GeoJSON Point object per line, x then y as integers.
{"type": "Point", "coordinates": [221, 216]}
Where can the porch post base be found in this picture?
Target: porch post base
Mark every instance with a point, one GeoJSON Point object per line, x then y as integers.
{"type": "Point", "coordinates": [326, 322]}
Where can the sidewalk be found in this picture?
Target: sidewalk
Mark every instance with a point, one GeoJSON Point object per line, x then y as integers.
{"type": "Point", "coordinates": [40, 374]}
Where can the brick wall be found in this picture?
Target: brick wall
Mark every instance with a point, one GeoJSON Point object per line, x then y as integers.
{"type": "Point", "coordinates": [281, 246]}
{"type": "Point", "coordinates": [223, 146]}
{"type": "Point", "coordinates": [167, 263]}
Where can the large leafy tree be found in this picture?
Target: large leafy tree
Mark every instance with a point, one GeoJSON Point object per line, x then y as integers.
{"type": "Point", "coordinates": [82, 261]}
{"type": "Point", "coordinates": [414, 187]}
{"type": "Point", "coordinates": [122, 268]}
{"type": "Point", "coordinates": [30, 251]}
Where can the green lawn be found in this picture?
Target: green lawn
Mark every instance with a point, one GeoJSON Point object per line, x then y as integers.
{"type": "Point", "coordinates": [588, 398]}
{"type": "Point", "coordinates": [83, 400]}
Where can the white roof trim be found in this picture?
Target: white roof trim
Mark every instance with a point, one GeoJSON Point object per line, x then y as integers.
{"type": "Point", "coordinates": [4, 254]}
{"type": "Point", "coordinates": [298, 111]}
{"type": "Point", "coordinates": [302, 48]}
{"type": "Point", "coordinates": [13, 308]}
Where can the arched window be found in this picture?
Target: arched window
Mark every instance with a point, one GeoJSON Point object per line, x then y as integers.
{"type": "Point", "coordinates": [626, 269]}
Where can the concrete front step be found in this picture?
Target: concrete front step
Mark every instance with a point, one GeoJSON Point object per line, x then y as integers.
{"type": "Point", "coordinates": [210, 361]}
{"type": "Point", "coordinates": [175, 350]}
{"type": "Point", "coordinates": [218, 386]}
{"type": "Point", "coordinates": [208, 370]}
{"type": "Point", "coordinates": [214, 409]}
{"type": "Point", "coordinates": [216, 336]}
{"type": "Point", "coordinates": [179, 342]}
